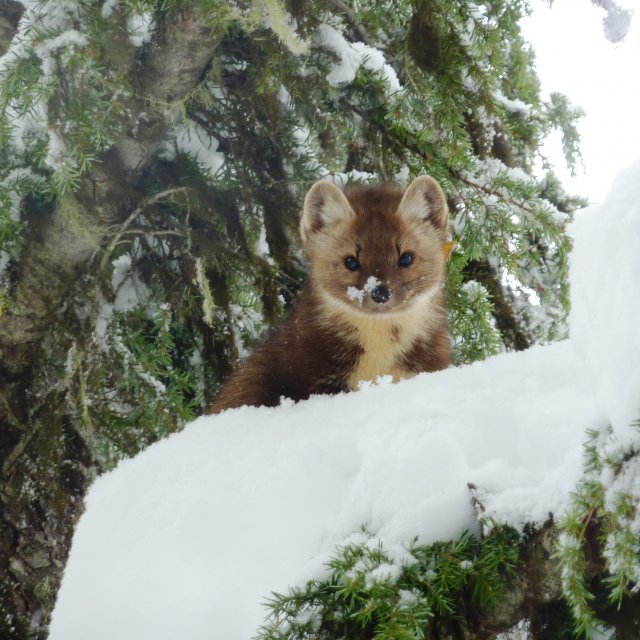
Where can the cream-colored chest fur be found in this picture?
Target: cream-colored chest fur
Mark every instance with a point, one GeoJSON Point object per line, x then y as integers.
{"type": "Point", "coordinates": [383, 342]}
{"type": "Point", "coordinates": [385, 338]}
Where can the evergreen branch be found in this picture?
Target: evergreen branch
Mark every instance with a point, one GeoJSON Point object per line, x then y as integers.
{"type": "Point", "coordinates": [491, 191]}
{"type": "Point", "coordinates": [465, 588]}
{"type": "Point", "coordinates": [18, 450]}
{"type": "Point", "coordinates": [352, 17]}
{"type": "Point", "coordinates": [11, 415]}
{"type": "Point", "coordinates": [123, 229]}
{"type": "Point", "coordinates": [153, 234]}
{"type": "Point", "coordinates": [50, 264]}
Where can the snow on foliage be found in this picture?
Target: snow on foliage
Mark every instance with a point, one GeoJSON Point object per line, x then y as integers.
{"type": "Point", "coordinates": [352, 56]}
{"type": "Point", "coordinates": [195, 141]}
{"type": "Point", "coordinates": [194, 533]}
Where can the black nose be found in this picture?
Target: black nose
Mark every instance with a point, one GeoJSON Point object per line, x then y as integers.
{"type": "Point", "coordinates": [380, 294]}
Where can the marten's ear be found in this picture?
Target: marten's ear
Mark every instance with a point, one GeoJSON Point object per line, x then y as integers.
{"type": "Point", "coordinates": [424, 199]}
{"type": "Point", "coordinates": [324, 204]}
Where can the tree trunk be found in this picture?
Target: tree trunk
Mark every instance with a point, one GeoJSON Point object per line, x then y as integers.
{"type": "Point", "coordinates": [10, 14]}
{"type": "Point", "coordinates": [46, 450]}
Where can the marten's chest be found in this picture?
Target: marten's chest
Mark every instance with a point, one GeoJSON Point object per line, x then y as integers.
{"type": "Point", "coordinates": [383, 344]}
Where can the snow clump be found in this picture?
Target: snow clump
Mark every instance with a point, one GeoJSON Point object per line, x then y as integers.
{"type": "Point", "coordinates": [353, 293]}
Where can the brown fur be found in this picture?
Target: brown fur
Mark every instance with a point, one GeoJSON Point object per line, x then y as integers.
{"type": "Point", "coordinates": [333, 340]}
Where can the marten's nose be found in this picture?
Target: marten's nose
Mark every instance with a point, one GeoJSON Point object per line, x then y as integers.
{"type": "Point", "coordinates": [380, 294]}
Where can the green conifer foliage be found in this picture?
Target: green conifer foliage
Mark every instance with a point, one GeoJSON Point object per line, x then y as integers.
{"type": "Point", "coordinates": [601, 531]}
{"type": "Point", "coordinates": [367, 94]}
{"type": "Point", "coordinates": [370, 94]}
{"type": "Point", "coordinates": [371, 594]}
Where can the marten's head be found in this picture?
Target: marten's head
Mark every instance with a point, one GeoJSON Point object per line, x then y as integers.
{"type": "Point", "coordinates": [375, 250]}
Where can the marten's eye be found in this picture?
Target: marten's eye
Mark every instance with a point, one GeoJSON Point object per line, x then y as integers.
{"type": "Point", "coordinates": [405, 259]}
{"type": "Point", "coordinates": [351, 263]}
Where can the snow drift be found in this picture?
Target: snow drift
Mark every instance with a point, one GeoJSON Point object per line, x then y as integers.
{"type": "Point", "coordinates": [189, 538]}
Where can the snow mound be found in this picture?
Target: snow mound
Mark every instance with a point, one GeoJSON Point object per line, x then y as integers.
{"type": "Point", "coordinates": [197, 531]}
{"type": "Point", "coordinates": [189, 538]}
{"type": "Point", "coordinates": [605, 299]}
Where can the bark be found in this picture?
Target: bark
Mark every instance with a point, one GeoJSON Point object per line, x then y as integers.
{"type": "Point", "coordinates": [510, 328]}
{"type": "Point", "coordinates": [56, 255]}
{"type": "Point", "coordinates": [534, 593]}
{"type": "Point", "coordinates": [10, 13]}
{"type": "Point", "coordinates": [535, 585]}
{"type": "Point", "coordinates": [46, 461]}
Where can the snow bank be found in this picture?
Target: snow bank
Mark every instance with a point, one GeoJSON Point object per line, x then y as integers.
{"type": "Point", "coordinates": [605, 299]}
{"type": "Point", "coordinates": [189, 538]}
{"type": "Point", "coordinates": [195, 532]}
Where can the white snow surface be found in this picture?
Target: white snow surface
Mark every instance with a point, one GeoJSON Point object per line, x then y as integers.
{"type": "Point", "coordinates": [189, 538]}
{"type": "Point", "coordinates": [605, 300]}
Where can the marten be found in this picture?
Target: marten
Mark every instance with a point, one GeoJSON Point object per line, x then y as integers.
{"type": "Point", "coordinates": [374, 303]}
